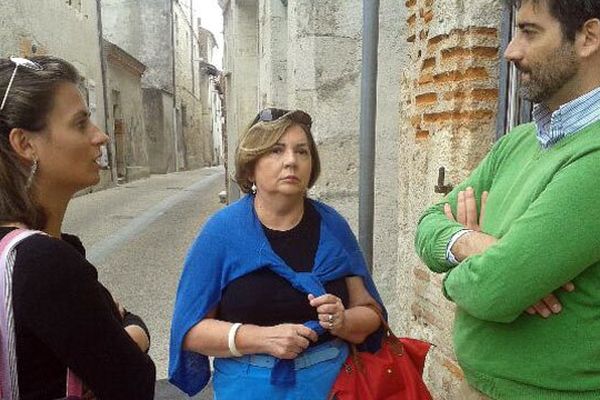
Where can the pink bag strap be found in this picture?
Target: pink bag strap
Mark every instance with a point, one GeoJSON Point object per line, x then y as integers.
{"type": "Point", "coordinates": [74, 386]}
{"type": "Point", "coordinates": [74, 390]}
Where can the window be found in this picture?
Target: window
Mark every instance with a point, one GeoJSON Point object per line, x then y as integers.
{"type": "Point", "coordinates": [184, 115]}
{"type": "Point", "coordinates": [76, 4]}
{"type": "Point", "coordinates": [512, 109]}
{"type": "Point", "coordinates": [176, 30]}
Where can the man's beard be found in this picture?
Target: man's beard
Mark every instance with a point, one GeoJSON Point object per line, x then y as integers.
{"type": "Point", "coordinates": [547, 77]}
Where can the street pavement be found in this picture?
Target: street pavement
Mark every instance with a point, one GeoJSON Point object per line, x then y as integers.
{"type": "Point", "coordinates": [137, 235]}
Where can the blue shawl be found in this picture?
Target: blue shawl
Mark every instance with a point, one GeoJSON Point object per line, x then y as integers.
{"type": "Point", "coordinates": [232, 244]}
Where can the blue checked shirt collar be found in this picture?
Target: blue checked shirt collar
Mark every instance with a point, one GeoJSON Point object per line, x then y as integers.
{"type": "Point", "coordinates": [570, 118]}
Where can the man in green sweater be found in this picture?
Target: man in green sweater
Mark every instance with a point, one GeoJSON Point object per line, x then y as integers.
{"type": "Point", "coordinates": [542, 223]}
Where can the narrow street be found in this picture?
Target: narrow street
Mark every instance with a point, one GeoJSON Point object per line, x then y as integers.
{"type": "Point", "coordinates": [137, 236]}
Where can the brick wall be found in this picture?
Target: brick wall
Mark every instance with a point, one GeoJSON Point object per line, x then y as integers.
{"type": "Point", "coordinates": [449, 113]}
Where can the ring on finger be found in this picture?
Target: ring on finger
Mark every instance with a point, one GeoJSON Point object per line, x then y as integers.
{"type": "Point", "coordinates": [330, 318]}
{"type": "Point", "coordinates": [330, 325]}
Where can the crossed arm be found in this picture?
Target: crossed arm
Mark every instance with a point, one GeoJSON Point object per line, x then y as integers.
{"type": "Point", "coordinates": [477, 242]}
{"type": "Point", "coordinates": [551, 242]}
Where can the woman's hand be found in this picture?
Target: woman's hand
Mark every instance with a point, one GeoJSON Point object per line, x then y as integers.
{"type": "Point", "coordinates": [330, 310]}
{"type": "Point", "coordinates": [287, 341]}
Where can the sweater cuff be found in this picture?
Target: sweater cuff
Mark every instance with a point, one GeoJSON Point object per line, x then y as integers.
{"type": "Point", "coordinates": [440, 248]}
{"type": "Point", "coordinates": [449, 255]}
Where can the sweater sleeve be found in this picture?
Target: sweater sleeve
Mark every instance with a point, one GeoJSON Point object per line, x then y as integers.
{"type": "Point", "coordinates": [435, 230]}
{"type": "Point", "coordinates": [551, 243]}
{"type": "Point", "coordinates": [58, 295]}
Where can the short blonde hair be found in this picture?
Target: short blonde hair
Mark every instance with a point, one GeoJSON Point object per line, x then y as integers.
{"type": "Point", "coordinates": [259, 138]}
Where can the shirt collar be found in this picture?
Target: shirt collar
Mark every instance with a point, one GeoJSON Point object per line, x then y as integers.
{"type": "Point", "coordinates": [570, 118]}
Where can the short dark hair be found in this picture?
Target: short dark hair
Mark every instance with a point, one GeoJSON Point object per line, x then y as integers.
{"type": "Point", "coordinates": [571, 14]}
{"type": "Point", "coordinates": [30, 100]}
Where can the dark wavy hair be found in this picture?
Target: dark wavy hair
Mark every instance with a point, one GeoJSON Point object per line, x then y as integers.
{"type": "Point", "coordinates": [30, 100]}
{"type": "Point", "coordinates": [571, 14]}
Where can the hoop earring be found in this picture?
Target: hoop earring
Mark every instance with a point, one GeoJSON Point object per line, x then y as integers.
{"type": "Point", "coordinates": [32, 171]}
{"type": "Point", "coordinates": [253, 188]}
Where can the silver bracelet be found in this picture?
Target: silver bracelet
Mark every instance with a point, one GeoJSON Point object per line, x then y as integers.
{"type": "Point", "coordinates": [231, 340]}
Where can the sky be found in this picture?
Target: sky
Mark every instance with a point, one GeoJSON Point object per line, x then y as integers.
{"type": "Point", "coordinates": [212, 19]}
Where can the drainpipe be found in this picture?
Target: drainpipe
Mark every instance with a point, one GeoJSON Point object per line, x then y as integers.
{"type": "Point", "coordinates": [368, 120]}
{"type": "Point", "coordinates": [173, 46]}
{"type": "Point", "coordinates": [110, 147]}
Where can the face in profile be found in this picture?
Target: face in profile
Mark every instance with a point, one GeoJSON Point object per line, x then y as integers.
{"type": "Point", "coordinates": [286, 168]}
{"type": "Point", "coordinates": [547, 61]}
{"type": "Point", "coordinates": [68, 150]}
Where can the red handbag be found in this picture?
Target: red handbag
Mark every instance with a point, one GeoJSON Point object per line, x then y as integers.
{"type": "Point", "coordinates": [394, 372]}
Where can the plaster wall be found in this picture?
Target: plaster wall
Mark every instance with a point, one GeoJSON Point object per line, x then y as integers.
{"type": "Point", "coordinates": [143, 29]}
{"type": "Point", "coordinates": [32, 27]}
{"type": "Point", "coordinates": [196, 139]}
{"type": "Point", "coordinates": [273, 51]}
{"type": "Point", "coordinates": [159, 123]}
{"type": "Point", "coordinates": [131, 106]}
{"type": "Point", "coordinates": [241, 74]}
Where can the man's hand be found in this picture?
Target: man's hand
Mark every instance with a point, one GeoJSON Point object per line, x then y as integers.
{"type": "Point", "coordinates": [466, 210]}
{"type": "Point", "coordinates": [549, 305]}
{"type": "Point", "coordinates": [466, 214]}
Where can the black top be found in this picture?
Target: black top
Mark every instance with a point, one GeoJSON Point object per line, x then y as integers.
{"type": "Point", "coordinates": [264, 298]}
{"type": "Point", "coordinates": [65, 317]}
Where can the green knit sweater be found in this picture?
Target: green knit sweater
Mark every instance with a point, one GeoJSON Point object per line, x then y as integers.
{"type": "Point", "coordinates": [544, 207]}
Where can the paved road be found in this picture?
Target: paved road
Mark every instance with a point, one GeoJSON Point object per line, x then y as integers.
{"type": "Point", "coordinates": [137, 236]}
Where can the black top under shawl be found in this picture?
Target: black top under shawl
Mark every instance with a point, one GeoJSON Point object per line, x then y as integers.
{"type": "Point", "coordinates": [264, 298]}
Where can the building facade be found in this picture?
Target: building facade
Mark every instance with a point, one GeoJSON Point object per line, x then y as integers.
{"type": "Point", "coordinates": [161, 34]}
{"type": "Point", "coordinates": [125, 120]}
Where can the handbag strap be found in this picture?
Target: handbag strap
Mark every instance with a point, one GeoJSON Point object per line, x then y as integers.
{"type": "Point", "coordinates": [392, 340]}
{"type": "Point", "coordinates": [74, 389]}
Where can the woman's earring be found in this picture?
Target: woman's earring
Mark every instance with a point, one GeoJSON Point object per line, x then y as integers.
{"type": "Point", "coordinates": [34, 168]}
{"type": "Point", "coordinates": [253, 188]}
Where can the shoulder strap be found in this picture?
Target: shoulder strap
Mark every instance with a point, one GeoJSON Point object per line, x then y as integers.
{"type": "Point", "coordinates": [9, 387]}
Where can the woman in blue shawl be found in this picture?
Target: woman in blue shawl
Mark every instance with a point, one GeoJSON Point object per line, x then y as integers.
{"type": "Point", "coordinates": [275, 285]}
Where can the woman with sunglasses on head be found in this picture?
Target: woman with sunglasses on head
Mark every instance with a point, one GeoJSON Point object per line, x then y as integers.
{"type": "Point", "coordinates": [275, 285]}
{"type": "Point", "coordinates": [56, 316]}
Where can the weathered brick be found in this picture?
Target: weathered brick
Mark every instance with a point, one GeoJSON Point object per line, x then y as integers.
{"type": "Point", "coordinates": [434, 42]}
{"type": "Point", "coordinates": [473, 53]}
{"type": "Point", "coordinates": [425, 79]}
{"type": "Point", "coordinates": [470, 74]}
{"type": "Point", "coordinates": [420, 273]}
{"type": "Point", "coordinates": [422, 135]}
{"type": "Point", "coordinates": [484, 94]}
{"type": "Point", "coordinates": [411, 3]}
{"type": "Point", "coordinates": [427, 16]}
{"type": "Point", "coordinates": [453, 368]}
{"type": "Point", "coordinates": [412, 20]}
{"type": "Point", "coordinates": [426, 99]}
{"type": "Point", "coordinates": [429, 63]}
{"type": "Point", "coordinates": [457, 116]}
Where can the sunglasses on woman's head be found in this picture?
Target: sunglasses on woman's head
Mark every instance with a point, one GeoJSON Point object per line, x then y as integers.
{"type": "Point", "coordinates": [273, 114]}
{"type": "Point", "coordinates": [19, 62]}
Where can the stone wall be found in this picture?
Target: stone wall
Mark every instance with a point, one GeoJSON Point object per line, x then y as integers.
{"type": "Point", "coordinates": [159, 122]}
{"type": "Point", "coordinates": [125, 99]}
{"type": "Point", "coordinates": [240, 67]}
{"type": "Point", "coordinates": [143, 29]}
{"type": "Point", "coordinates": [187, 84]}
{"type": "Point", "coordinates": [448, 116]}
